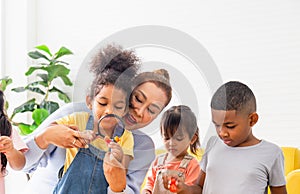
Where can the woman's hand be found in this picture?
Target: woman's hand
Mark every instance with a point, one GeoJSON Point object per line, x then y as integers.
{"type": "Point", "coordinates": [114, 172]}
{"type": "Point", "coordinates": [62, 136]}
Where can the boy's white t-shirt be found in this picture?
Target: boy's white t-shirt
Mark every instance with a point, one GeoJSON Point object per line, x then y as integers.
{"type": "Point", "coordinates": [247, 170]}
{"type": "Point", "coordinates": [18, 145]}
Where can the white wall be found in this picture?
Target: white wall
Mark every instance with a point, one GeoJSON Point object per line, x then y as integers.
{"type": "Point", "coordinates": [256, 42]}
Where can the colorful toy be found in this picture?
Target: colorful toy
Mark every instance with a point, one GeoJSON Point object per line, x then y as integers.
{"type": "Point", "coordinates": [173, 186]}
{"type": "Point", "coordinates": [108, 140]}
{"type": "Point", "coordinates": [116, 139]}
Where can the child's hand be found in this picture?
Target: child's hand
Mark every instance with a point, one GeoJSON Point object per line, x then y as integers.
{"type": "Point", "coordinates": [173, 183]}
{"type": "Point", "coordinates": [116, 150]}
{"type": "Point", "coordinates": [6, 144]}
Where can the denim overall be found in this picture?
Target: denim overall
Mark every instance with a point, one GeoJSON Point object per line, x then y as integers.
{"type": "Point", "coordinates": [85, 174]}
{"type": "Point", "coordinates": [180, 172]}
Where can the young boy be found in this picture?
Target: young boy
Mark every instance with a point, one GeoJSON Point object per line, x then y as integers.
{"type": "Point", "coordinates": [238, 162]}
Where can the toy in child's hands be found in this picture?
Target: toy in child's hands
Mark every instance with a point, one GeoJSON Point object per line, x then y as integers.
{"type": "Point", "coordinates": [116, 139]}
{"type": "Point", "coordinates": [117, 132]}
{"type": "Point", "coordinates": [108, 140]}
{"type": "Point", "coordinates": [173, 185]}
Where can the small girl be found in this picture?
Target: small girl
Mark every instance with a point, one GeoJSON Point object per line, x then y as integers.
{"type": "Point", "coordinates": [179, 131]}
{"type": "Point", "coordinates": [11, 146]}
{"type": "Point", "coordinates": [114, 69]}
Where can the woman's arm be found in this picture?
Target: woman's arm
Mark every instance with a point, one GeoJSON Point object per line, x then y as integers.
{"type": "Point", "coordinates": [39, 152]}
{"type": "Point", "coordinates": [59, 135]}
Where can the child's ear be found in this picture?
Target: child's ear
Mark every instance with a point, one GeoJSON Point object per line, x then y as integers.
{"type": "Point", "coordinates": [88, 101]}
{"type": "Point", "coordinates": [253, 118]}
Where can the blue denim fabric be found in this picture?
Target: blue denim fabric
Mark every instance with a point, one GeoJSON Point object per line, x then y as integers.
{"type": "Point", "coordinates": [85, 174]}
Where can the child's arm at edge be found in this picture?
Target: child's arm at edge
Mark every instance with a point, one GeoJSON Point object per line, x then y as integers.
{"type": "Point", "coordinates": [15, 158]}
{"type": "Point", "coordinates": [278, 190]}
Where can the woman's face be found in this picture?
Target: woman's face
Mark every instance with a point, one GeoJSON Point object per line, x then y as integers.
{"type": "Point", "coordinates": [147, 101]}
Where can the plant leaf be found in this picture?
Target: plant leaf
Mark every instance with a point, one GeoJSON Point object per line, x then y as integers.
{"type": "Point", "coordinates": [43, 83]}
{"type": "Point", "coordinates": [37, 55]}
{"type": "Point", "coordinates": [39, 115]}
{"type": "Point", "coordinates": [36, 90]}
{"type": "Point", "coordinates": [24, 128]}
{"type": "Point", "coordinates": [50, 106]}
{"type": "Point", "coordinates": [52, 62]}
{"type": "Point", "coordinates": [5, 82]}
{"type": "Point", "coordinates": [19, 89]}
{"type": "Point", "coordinates": [25, 107]}
{"type": "Point", "coordinates": [44, 77]}
{"type": "Point", "coordinates": [56, 71]}
{"type": "Point", "coordinates": [62, 62]}
{"type": "Point", "coordinates": [63, 96]}
{"type": "Point", "coordinates": [32, 69]}
{"type": "Point", "coordinates": [44, 64]}
{"type": "Point", "coordinates": [66, 80]}
{"type": "Point", "coordinates": [33, 127]}
{"type": "Point", "coordinates": [44, 48]}
{"type": "Point", "coordinates": [6, 105]}
{"type": "Point", "coordinates": [62, 51]}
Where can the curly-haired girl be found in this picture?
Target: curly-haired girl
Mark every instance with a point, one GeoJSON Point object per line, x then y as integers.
{"type": "Point", "coordinates": [114, 70]}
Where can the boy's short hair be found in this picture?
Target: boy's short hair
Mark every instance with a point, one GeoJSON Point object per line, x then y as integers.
{"type": "Point", "coordinates": [236, 96]}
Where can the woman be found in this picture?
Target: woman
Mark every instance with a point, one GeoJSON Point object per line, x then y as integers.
{"type": "Point", "coordinates": [46, 155]}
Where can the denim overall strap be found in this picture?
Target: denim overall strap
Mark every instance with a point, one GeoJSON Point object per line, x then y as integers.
{"type": "Point", "coordinates": [90, 123]}
{"type": "Point", "coordinates": [119, 130]}
{"type": "Point", "coordinates": [85, 174]}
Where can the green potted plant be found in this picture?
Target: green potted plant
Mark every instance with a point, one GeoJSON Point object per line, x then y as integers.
{"type": "Point", "coordinates": [48, 68]}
